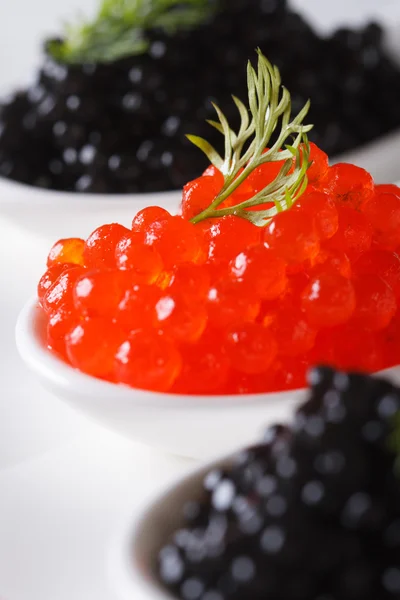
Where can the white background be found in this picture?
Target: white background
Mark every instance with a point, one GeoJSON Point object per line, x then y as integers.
{"type": "Point", "coordinates": [24, 23]}
{"type": "Point", "coordinates": [65, 484]}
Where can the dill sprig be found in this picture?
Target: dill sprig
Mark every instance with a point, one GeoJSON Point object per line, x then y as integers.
{"type": "Point", "coordinates": [269, 108]}
{"type": "Point", "coordinates": [119, 29]}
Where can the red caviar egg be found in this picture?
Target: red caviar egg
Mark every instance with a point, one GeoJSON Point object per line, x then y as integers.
{"type": "Point", "coordinates": [61, 292]}
{"type": "Point", "coordinates": [328, 300]}
{"type": "Point", "coordinates": [98, 293]}
{"type": "Point", "coordinates": [205, 366]}
{"type": "Point", "coordinates": [261, 271]}
{"type": "Point", "coordinates": [383, 212]}
{"type": "Point", "coordinates": [331, 260]}
{"type": "Point", "coordinates": [91, 346]}
{"type": "Point", "coordinates": [50, 276]}
{"type": "Point", "coordinates": [389, 339]}
{"type": "Point", "coordinates": [356, 349]}
{"type": "Point", "coordinates": [376, 302]}
{"type": "Point", "coordinates": [190, 281]}
{"type": "Point", "coordinates": [383, 263]}
{"type": "Point", "coordinates": [225, 237]}
{"type": "Point", "coordinates": [387, 188]}
{"type": "Point", "coordinates": [229, 304]}
{"type": "Point", "coordinates": [69, 250]}
{"type": "Point", "coordinates": [321, 208]}
{"type": "Point", "coordinates": [147, 360]}
{"type": "Point", "coordinates": [181, 320]}
{"type": "Point", "coordinates": [212, 171]}
{"type": "Point", "coordinates": [199, 194]}
{"type": "Point", "coordinates": [251, 348]}
{"type": "Point", "coordinates": [99, 251]}
{"type": "Point", "coordinates": [319, 164]}
{"type": "Point", "coordinates": [133, 255]}
{"type": "Point", "coordinates": [61, 321]}
{"type": "Point", "coordinates": [354, 236]}
{"type": "Point", "coordinates": [137, 308]}
{"type": "Point", "coordinates": [264, 175]}
{"type": "Point", "coordinates": [295, 336]}
{"type": "Point", "coordinates": [176, 240]}
{"type": "Point", "coordinates": [293, 236]}
{"type": "Point", "coordinates": [245, 383]}
{"type": "Point", "coordinates": [147, 216]}
{"type": "Point", "coordinates": [350, 185]}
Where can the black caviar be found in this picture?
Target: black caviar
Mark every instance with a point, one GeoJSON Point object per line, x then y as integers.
{"type": "Point", "coordinates": [312, 513]}
{"type": "Point", "coordinates": [120, 127]}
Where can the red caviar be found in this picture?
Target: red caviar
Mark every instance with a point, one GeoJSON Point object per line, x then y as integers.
{"type": "Point", "coordinates": [224, 306]}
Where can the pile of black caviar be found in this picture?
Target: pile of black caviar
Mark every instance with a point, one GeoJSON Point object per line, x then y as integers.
{"type": "Point", "coordinates": [313, 513]}
{"type": "Point", "coordinates": [120, 127]}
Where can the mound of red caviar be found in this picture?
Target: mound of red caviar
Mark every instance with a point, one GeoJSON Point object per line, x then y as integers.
{"type": "Point", "coordinates": [225, 306]}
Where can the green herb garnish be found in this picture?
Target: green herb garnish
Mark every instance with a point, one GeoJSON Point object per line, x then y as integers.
{"type": "Point", "coordinates": [120, 27]}
{"type": "Point", "coordinates": [269, 107]}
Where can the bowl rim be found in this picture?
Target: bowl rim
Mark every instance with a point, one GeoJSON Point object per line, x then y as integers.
{"type": "Point", "coordinates": [125, 567]}
{"type": "Point", "coordinates": [54, 370]}
{"type": "Point", "coordinates": [16, 192]}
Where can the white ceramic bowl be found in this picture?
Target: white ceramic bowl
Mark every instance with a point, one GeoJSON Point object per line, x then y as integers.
{"type": "Point", "coordinates": [135, 547]}
{"type": "Point", "coordinates": [56, 214]}
{"type": "Point", "coordinates": [193, 426]}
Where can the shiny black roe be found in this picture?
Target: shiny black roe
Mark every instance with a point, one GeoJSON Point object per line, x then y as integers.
{"type": "Point", "coordinates": [312, 513]}
{"type": "Point", "coordinates": [121, 127]}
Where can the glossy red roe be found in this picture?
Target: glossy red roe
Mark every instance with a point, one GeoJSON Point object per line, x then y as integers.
{"type": "Point", "coordinates": [251, 348]}
{"type": "Point", "coordinates": [147, 216]}
{"type": "Point", "coordinates": [61, 292]}
{"type": "Point", "coordinates": [293, 236]}
{"type": "Point", "coordinates": [225, 307]}
{"type": "Point", "coordinates": [205, 366]}
{"type": "Point", "coordinates": [376, 302]}
{"type": "Point", "coordinates": [225, 237]}
{"type": "Point", "coordinates": [137, 308]}
{"type": "Point", "coordinates": [99, 251]}
{"type": "Point", "coordinates": [382, 263]}
{"type": "Point", "coordinates": [354, 236]}
{"type": "Point", "coordinates": [295, 336]}
{"type": "Point", "coordinates": [60, 322]}
{"type": "Point", "coordinates": [328, 300]}
{"type": "Point", "coordinates": [321, 208]}
{"type": "Point", "coordinates": [50, 277]}
{"type": "Point", "coordinates": [181, 320]}
{"type": "Point", "coordinates": [91, 346]}
{"type": "Point", "coordinates": [199, 194]}
{"type": "Point", "coordinates": [290, 374]}
{"type": "Point", "coordinates": [143, 261]}
{"type": "Point", "coordinates": [350, 185]}
{"type": "Point", "coordinates": [331, 261]}
{"type": "Point", "coordinates": [264, 175]}
{"type": "Point", "coordinates": [389, 340]}
{"type": "Point", "coordinates": [356, 349]}
{"type": "Point", "coordinates": [176, 240]}
{"type": "Point", "coordinates": [229, 304]}
{"type": "Point", "coordinates": [189, 281]}
{"type": "Point", "coordinates": [98, 293]}
{"type": "Point", "coordinates": [383, 212]}
{"type": "Point", "coordinates": [319, 164]}
{"type": "Point", "coordinates": [387, 188]}
{"type": "Point", "coordinates": [148, 361]}
{"type": "Point", "coordinates": [261, 271]}
{"type": "Point", "coordinates": [69, 250]}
